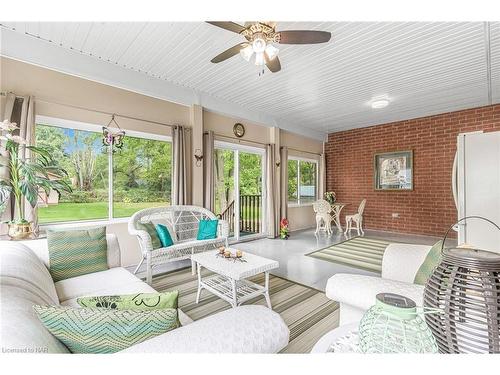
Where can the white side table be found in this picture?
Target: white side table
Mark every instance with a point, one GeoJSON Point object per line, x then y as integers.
{"type": "Point", "coordinates": [344, 336]}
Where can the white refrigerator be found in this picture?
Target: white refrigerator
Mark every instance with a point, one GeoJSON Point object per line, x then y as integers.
{"type": "Point", "coordinates": [476, 188]}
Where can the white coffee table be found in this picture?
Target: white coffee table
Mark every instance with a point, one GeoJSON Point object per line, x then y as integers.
{"type": "Point", "coordinates": [229, 279]}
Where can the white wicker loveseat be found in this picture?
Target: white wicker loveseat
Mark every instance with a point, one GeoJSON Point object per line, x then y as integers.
{"type": "Point", "coordinates": [182, 223]}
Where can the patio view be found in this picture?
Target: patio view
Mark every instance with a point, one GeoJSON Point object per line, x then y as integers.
{"type": "Point", "coordinates": [141, 175]}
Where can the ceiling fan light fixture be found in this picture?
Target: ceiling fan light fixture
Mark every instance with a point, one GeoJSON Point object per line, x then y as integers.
{"type": "Point", "coordinates": [271, 51]}
{"type": "Point", "coordinates": [247, 52]}
{"type": "Point", "coordinates": [259, 45]}
{"type": "Point", "coordinates": [259, 58]}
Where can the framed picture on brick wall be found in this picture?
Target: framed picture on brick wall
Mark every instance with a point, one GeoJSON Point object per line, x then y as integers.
{"type": "Point", "coordinates": [393, 170]}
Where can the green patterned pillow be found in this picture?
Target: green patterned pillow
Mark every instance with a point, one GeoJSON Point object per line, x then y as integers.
{"type": "Point", "coordinates": [140, 301]}
{"type": "Point", "coordinates": [431, 261]}
{"type": "Point", "coordinates": [104, 330]}
{"type": "Point", "coordinates": [77, 252]}
{"type": "Point", "coordinates": [151, 229]}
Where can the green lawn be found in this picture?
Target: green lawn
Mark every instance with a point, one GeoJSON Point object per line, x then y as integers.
{"type": "Point", "coordinates": [90, 211]}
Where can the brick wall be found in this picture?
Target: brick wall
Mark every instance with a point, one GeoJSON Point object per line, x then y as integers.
{"type": "Point", "coordinates": [429, 208]}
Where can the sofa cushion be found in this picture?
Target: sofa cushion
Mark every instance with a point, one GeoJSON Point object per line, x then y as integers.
{"type": "Point", "coordinates": [136, 301]}
{"type": "Point", "coordinates": [77, 252]}
{"type": "Point", "coordinates": [150, 228]}
{"type": "Point", "coordinates": [245, 329]}
{"type": "Point", "coordinates": [91, 330]}
{"type": "Point", "coordinates": [164, 235]}
{"type": "Point", "coordinates": [207, 229]}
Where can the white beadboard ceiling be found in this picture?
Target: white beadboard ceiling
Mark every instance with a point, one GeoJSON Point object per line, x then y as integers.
{"type": "Point", "coordinates": [423, 68]}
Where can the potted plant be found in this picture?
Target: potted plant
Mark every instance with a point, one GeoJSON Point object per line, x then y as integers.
{"type": "Point", "coordinates": [284, 229]}
{"type": "Point", "coordinates": [26, 176]}
{"type": "Point", "coordinates": [330, 197]}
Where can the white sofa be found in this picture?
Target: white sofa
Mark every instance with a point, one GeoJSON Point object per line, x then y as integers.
{"type": "Point", "coordinates": [356, 293]}
{"type": "Point", "coordinates": [182, 222]}
{"type": "Point", "coordinates": [25, 281]}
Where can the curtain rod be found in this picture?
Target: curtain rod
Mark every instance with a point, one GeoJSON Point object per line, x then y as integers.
{"type": "Point", "coordinates": [306, 152]}
{"type": "Point", "coordinates": [239, 140]}
{"type": "Point", "coordinates": [94, 110]}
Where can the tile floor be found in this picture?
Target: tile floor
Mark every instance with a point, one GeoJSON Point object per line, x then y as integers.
{"type": "Point", "coordinates": [295, 266]}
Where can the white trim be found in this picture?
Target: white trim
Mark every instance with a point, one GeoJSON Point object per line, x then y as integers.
{"type": "Point", "coordinates": [239, 147]}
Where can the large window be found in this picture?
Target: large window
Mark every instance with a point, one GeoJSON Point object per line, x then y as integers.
{"type": "Point", "coordinates": [140, 176]}
{"type": "Point", "coordinates": [302, 181]}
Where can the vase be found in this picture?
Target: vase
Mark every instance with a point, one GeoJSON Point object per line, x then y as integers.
{"type": "Point", "coordinates": [20, 231]}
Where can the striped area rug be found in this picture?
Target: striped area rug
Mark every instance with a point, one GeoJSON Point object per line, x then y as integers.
{"type": "Point", "coordinates": [359, 252]}
{"type": "Point", "coordinates": [308, 312]}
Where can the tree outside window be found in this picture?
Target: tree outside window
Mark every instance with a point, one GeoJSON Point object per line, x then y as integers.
{"type": "Point", "coordinates": [302, 181]}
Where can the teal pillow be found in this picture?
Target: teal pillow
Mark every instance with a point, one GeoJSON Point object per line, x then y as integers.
{"type": "Point", "coordinates": [77, 252]}
{"type": "Point", "coordinates": [91, 330]}
{"type": "Point", "coordinates": [207, 229]}
{"type": "Point", "coordinates": [164, 234]}
{"type": "Point", "coordinates": [430, 263]}
{"type": "Point", "coordinates": [150, 228]}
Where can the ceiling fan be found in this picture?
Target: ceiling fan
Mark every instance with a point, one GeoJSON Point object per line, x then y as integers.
{"type": "Point", "coordinates": [260, 37]}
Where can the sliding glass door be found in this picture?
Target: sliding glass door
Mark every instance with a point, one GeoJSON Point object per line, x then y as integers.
{"type": "Point", "coordinates": [239, 186]}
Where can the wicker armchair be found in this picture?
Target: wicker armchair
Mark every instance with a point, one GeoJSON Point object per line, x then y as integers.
{"type": "Point", "coordinates": [182, 222]}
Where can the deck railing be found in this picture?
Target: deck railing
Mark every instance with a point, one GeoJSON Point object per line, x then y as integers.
{"type": "Point", "coordinates": [250, 214]}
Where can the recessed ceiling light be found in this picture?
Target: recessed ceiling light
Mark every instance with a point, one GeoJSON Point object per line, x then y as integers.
{"type": "Point", "coordinates": [380, 103]}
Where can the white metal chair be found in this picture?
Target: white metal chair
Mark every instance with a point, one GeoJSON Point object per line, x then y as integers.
{"type": "Point", "coordinates": [357, 218]}
{"type": "Point", "coordinates": [323, 218]}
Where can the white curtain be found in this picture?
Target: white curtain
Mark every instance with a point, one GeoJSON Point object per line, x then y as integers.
{"type": "Point", "coordinates": [22, 112]}
{"type": "Point", "coordinates": [208, 170]}
{"type": "Point", "coordinates": [181, 176]}
{"type": "Point", "coordinates": [272, 208]}
{"type": "Point", "coordinates": [284, 182]}
{"type": "Point", "coordinates": [322, 176]}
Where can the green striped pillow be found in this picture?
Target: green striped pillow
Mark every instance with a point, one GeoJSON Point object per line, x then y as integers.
{"type": "Point", "coordinates": [430, 262]}
{"type": "Point", "coordinates": [103, 330]}
{"type": "Point", "coordinates": [151, 229]}
{"type": "Point", "coordinates": [77, 252]}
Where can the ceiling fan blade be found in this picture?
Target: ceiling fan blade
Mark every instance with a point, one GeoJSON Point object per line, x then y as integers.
{"type": "Point", "coordinates": [229, 53]}
{"type": "Point", "coordinates": [274, 65]}
{"type": "Point", "coordinates": [304, 37]}
{"type": "Point", "coordinates": [227, 25]}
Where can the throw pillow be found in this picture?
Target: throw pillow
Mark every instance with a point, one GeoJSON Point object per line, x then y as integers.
{"type": "Point", "coordinates": [164, 235]}
{"type": "Point", "coordinates": [140, 301]}
{"type": "Point", "coordinates": [104, 330]}
{"type": "Point", "coordinates": [207, 229]}
{"type": "Point", "coordinates": [77, 252]}
{"type": "Point", "coordinates": [150, 228]}
{"type": "Point", "coordinates": [430, 262]}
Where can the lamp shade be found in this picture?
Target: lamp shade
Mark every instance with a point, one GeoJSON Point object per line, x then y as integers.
{"type": "Point", "coordinates": [393, 325]}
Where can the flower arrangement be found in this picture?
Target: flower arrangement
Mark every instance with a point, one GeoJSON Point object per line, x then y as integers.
{"type": "Point", "coordinates": [26, 176]}
{"type": "Point", "coordinates": [284, 229]}
{"type": "Point", "coordinates": [330, 197]}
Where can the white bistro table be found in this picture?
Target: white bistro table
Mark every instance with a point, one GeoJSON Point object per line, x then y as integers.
{"type": "Point", "coordinates": [229, 279]}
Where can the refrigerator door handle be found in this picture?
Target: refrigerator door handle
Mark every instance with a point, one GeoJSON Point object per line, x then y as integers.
{"type": "Point", "coordinates": [454, 182]}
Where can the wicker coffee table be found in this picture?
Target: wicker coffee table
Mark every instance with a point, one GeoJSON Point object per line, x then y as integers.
{"type": "Point", "coordinates": [229, 280]}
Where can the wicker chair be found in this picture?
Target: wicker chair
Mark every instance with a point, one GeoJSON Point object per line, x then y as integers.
{"type": "Point", "coordinates": [182, 222]}
{"type": "Point", "coordinates": [323, 211]}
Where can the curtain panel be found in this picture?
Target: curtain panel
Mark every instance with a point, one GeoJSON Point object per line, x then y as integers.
{"type": "Point", "coordinates": [22, 112]}
{"type": "Point", "coordinates": [208, 171]}
{"type": "Point", "coordinates": [271, 190]}
{"type": "Point", "coordinates": [284, 182]}
{"type": "Point", "coordinates": [322, 177]}
{"type": "Point", "coordinates": [181, 159]}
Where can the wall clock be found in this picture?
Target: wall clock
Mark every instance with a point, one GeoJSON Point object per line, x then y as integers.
{"type": "Point", "coordinates": [239, 130]}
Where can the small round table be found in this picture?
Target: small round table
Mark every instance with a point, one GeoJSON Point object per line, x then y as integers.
{"type": "Point", "coordinates": [345, 336]}
{"type": "Point", "coordinates": [336, 208]}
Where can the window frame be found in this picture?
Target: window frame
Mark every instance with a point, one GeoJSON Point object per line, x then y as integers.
{"type": "Point", "coordinates": [299, 159]}
{"type": "Point", "coordinates": [78, 125]}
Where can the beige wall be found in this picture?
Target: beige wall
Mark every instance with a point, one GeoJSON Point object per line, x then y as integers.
{"type": "Point", "coordinates": [50, 87]}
